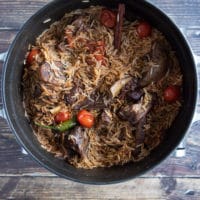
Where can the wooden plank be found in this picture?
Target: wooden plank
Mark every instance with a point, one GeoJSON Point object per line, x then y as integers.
{"type": "Point", "coordinates": [6, 38]}
{"type": "Point", "coordinates": [15, 13]}
{"type": "Point", "coordinates": [140, 189]}
{"type": "Point", "coordinates": [180, 11]}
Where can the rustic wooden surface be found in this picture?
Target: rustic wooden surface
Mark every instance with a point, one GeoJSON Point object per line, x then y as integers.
{"type": "Point", "coordinates": [23, 178]}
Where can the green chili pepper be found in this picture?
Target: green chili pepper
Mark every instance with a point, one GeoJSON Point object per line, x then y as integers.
{"type": "Point", "coordinates": [64, 126]}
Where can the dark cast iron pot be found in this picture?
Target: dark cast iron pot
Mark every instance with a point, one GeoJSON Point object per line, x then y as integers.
{"type": "Point", "coordinates": [12, 93]}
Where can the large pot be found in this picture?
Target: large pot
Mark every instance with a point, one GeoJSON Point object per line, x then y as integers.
{"type": "Point", "coordinates": [15, 113]}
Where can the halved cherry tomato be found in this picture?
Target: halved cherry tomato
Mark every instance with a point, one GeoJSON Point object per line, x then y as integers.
{"type": "Point", "coordinates": [108, 18]}
{"type": "Point", "coordinates": [172, 93]}
{"type": "Point", "coordinates": [32, 55]}
{"type": "Point", "coordinates": [144, 29]}
{"type": "Point", "coordinates": [85, 118]}
{"type": "Point", "coordinates": [62, 116]}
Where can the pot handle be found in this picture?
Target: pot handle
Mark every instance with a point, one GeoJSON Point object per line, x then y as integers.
{"type": "Point", "coordinates": [2, 112]}
{"type": "Point", "coordinates": [3, 56]}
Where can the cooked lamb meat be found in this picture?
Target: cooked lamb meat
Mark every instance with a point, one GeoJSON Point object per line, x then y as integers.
{"type": "Point", "coordinates": [78, 140]}
{"type": "Point", "coordinates": [106, 117]}
{"type": "Point", "coordinates": [50, 75]}
{"type": "Point", "coordinates": [139, 136]}
{"type": "Point", "coordinates": [131, 91]}
{"type": "Point", "coordinates": [135, 95]}
{"type": "Point", "coordinates": [135, 112]}
{"type": "Point", "coordinates": [160, 57]}
{"type": "Point", "coordinates": [37, 91]}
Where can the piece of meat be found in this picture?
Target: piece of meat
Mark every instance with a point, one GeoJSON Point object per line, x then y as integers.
{"type": "Point", "coordinates": [135, 112]}
{"type": "Point", "coordinates": [106, 117]}
{"type": "Point", "coordinates": [58, 64]}
{"type": "Point", "coordinates": [94, 101]}
{"type": "Point", "coordinates": [161, 63]}
{"type": "Point", "coordinates": [78, 87]}
{"type": "Point", "coordinates": [37, 91]}
{"type": "Point", "coordinates": [118, 85]}
{"type": "Point", "coordinates": [70, 97]}
{"type": "Point", "coordinates": [131, 91]}
{"type": "Point", "coordinates": [88, 104]}
{"type": "Point", "coordinates": [139, 136]}
{"type": "Point", "coordinates": [59, 139]}
{"type": "Point", "coordinates": [82, 104]}
{"type": "Point", "coordinates": [47, 74]}
{"type": "Point", "coordinates": [135, 95]}
{"type": "Point", "coordinates": [78, 141]}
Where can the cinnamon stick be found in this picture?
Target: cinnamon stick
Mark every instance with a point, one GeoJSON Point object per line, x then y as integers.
{"type": "Point", "coordinates": [118, 27]}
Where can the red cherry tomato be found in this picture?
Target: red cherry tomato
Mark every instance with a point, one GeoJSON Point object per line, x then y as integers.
{"type": "Point", "coordinates": [172, 93]}
{"type": "Point", "coordinates": [85, 118]}
{"type": "Point", "coordinates": [108, 18]}
{"type": "Point", "coordinates": [144, 29]}
{"type": "Point", "coordinates": [62, 116]}
{"type": "Point", "coordinates": [32, 55]}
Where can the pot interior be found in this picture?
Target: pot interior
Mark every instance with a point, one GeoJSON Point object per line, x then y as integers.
{"type": "Point", "coordinates": [12, 91]}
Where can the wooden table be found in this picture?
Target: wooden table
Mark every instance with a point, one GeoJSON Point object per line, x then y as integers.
{"type": "Point", "coordinates": [23, 178]}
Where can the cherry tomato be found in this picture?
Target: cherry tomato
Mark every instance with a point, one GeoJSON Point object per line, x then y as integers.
{"type": "Point", "coordinates": [62, 116]}
{"type": "Point", "coordinates": [172, 93]}
{"type": "Point", "coordinates": [144, 29]}
{"type": "Point", "coordinates": [32, 55]}
{"type": "Point", "coordinates": [108, 18]}
{"type": "Point", "coordinates": [85, 118]}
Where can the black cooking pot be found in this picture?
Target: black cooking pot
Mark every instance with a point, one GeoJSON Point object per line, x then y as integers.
{"type": "Point", "coordinates": [12, 93]}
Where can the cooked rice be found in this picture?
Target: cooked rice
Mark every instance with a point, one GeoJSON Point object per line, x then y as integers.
{"type": "Point", "coordinates": [113, 144]}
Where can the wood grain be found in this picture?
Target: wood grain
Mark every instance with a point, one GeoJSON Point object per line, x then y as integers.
{"type": "Point", "coordinates": [56, 188]}
{"type": "Point", "coordinates": [15, 13]}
